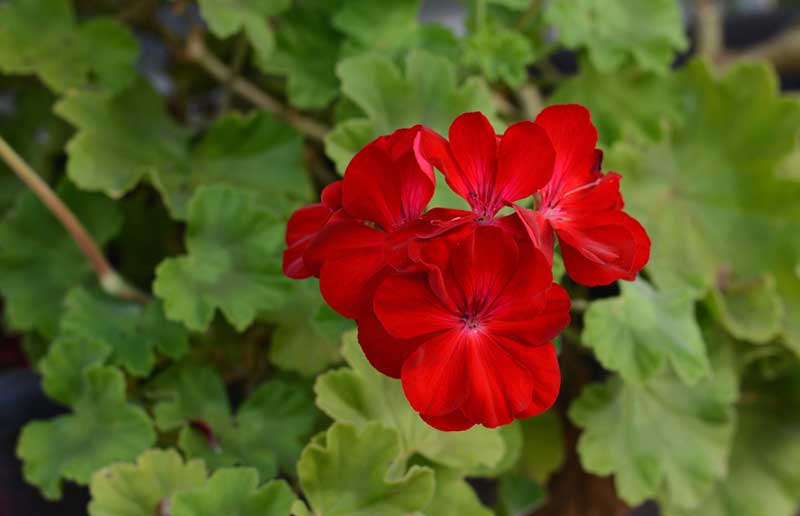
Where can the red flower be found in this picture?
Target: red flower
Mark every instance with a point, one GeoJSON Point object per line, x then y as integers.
{"type": "Point", "coordinates": [481, 330]}
{"type": "Point", "coordinates": [304, 225]}
{"type": "Point", "coordinates": [487, 170]}
{"type": "Point", "coordinates": [384, 192]}
{"type": "Point", "coordinates": [599, 242]}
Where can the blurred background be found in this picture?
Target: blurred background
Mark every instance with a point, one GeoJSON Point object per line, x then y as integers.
{"type": "Point", "coordinates": [762, 29]}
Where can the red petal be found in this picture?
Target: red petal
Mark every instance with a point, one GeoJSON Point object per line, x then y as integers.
{"type": "Point", "coordinates": [434, 376]}
{"type": "Point", "coordinates": [500, 385]}
{"type": "Point", "coordinates": [384, 352]}
{"type": "Point", "coordinates": [473, 144]}
{"type": "Point", "coordinates": [613, 248]}
{"type": "Point", "coordinates": [341, 238]}
{"type": "Point", "coordinates": [332, 195]}
{"type": "Point", "coordinates": [384, 184]}
{"type": "Point", "coordinates": [526, 293]}
{"type": "Point", "coordinates": [540, 326]}
{"type": "Point", "coordinates": [302, 228]}
{"type": "Point", "coordinates": [407, 307]}
{"type": "Point", "coordinates": [525, 161]}
{"type": "Point", "coordinates": [539, 230]}
{"type": "Point", "coordinates": [483, 265]}
{"type": "Point", "coordinates": [452, 422]}
{"type": "Point", "coordinates": [347, 283]}
{"type": "Point", "coordinates": [542, 362]}
{"type": "Point", "coordinates": [574, 138]}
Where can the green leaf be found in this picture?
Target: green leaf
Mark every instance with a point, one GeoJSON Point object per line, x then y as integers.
{"type": "Point", "coordinates": [636, 333]}
{"type": "Point", "coordinates": [347, 472]}
{"type": "Point", "coordinates": [267, 430]}
{"type": "Point", "coordinates": [140, 489]}
{"type": "Point", "coordinates": [383, 27]}
{"type": "Point", "coordinates": [617, 33]}
{"type": "Point", "coordinates": [127, 333]}
{"type": "Point", "coordinates": [751, 310]}
{"type": "Point", "coordinates": [308, 332]}
{"type": "Point", "coordinates": [102, 429]}
{"type": "Point", "coordinates": [543, 449]}
{"type": "Point", "coordinates": [232, 262]}
{"type": "Point", "coordinates": [622, 103]}
{"type": "Point", "coordinates": [360, 394]}
{"type": "Point", "coordinates": [39, 262]}
{"type": "Point", "coordinates": [763, 477]}
{"type": "Point", "coordinates": [227, 17]}
{"type": "Point", "coordinates": [519, 495]}
{"type": "Point", "coordinates": [427, 92]}
{"type": "Point", "coordinates": [234, 492]}
{"type": "Point", "coordinates": [500, 54]}
{"type": "Point", "coordinates": [710, 197]}
{"type": "Point", "coordinates": [306, 52]}
{"type": "Point", "coordinates": [99, 52]}
{"type": "Point", "coordinates": [126, 138]}
{"type": "Point", "coordinates": [453, 496]}
{"type": "Point", "coordinates": [660, 436]}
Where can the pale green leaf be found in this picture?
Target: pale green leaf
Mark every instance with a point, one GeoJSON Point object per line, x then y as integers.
{"type": "Point", "coordinates": [232, 263]}
{"type": "Point", "coordinates": [360, 394]}
{"type": "Point", "coordinates": [347, 472]}
{"type": "Point", "coordinates": [636, 333]}
{"type": "Point", "coordinates": [102, 429]}
{"type": "Point", "coordinates": [99, 52]}
{"type": "Point", "coordinates": [426, 92]}
{"type": "Point", "coordinates": [660, 436]}
{"type": "Point", "coordinates": [617, 33]}
{"type": "Point", "coordinates": [234, 492]}
{"type": "Point", "coordinates": [141, 488]}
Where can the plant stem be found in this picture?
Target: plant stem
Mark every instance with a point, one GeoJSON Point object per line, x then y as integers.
{"type": "Point", "coordinates": [109, 279]}
{"type": "Point", "coordinates": [196, 51]}
{"type": "Point", "coordinates": [708, 20]}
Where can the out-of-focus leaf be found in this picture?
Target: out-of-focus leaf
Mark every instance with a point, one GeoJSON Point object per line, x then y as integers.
{"type": "Point", "coordinates": [139, 489]}
{"type": "Point", "coordinates": [453, 496]}
{"type": "Point", "coordinates": [267, 430]}
{"type": "Point", "coordinates": [233, 491]}
{"type": "Point", "coordinates": [659, 436]}
{"type": "Point", "coordinates": [227, 17]}
{"type": "Point", "coordinates": [519, 495]}
{"type": "Point", "coordinates": [39, 262]}
{"type": "Point", "coordinates": [711, 199]}
{"type": "Point", "coordinates": [426, 93]}
{"type": "Point", "coordinates": [63, 53]}
{"type": "Point", "coordinates": [543, 448]}
{"type": "Point", "coordinates": [383, 27]}
{"type": "Point", "coordinates": [616, 33]}
{"type": "Point", "coordinates": [103, 429]}
{"type": "Point", "coordinates": [348, 472]}
{"type": "Point", "coordinates": [360, 394]}
{"type": "Point", "coordinates": [626, 102]}
{"type": "Point", "coordinates": [636, 333]}
{"type": "Point", "coordinates": [763, 477]}
{"type": "Point", "coordinates": [232, 262]}
{"type": "Point", "coordinates": [500, 54]}
{"type": "Point", "coordinates": [307, 51]}
{"type": "Point", "coordinates": [126, 138]}
{"type": "Point", "coordinates": [27, 123]}
{"type": "Point", "coordinates": [750, 309]}
{"type": "Point", "coordinates": [308, 332]}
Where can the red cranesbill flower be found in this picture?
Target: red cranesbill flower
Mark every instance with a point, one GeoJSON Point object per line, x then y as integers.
{"type": "Point", "coordinates": [482, 329]}
{"type": "Point", "coordinates": [599, 242]}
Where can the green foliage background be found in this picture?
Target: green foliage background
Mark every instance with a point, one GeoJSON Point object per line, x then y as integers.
{"type": "Point", "coordinates": [685, 384]}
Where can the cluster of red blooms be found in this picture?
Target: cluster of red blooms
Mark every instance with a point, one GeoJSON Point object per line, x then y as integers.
{"type": "Point", "coordinates": [461, 305]}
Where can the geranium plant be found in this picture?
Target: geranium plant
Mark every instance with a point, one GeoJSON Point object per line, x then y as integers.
{"type": "Point", "coordinates": [321, 257]}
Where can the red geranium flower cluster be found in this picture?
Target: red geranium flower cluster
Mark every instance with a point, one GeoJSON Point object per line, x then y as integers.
{"type": "Point", "coordinates": [461, 305]}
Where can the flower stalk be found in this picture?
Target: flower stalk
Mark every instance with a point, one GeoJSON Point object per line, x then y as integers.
{"type": "Point", "coordinates": [109, 279]}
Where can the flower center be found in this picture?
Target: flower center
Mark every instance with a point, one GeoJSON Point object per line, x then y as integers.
{"type": "Point", "coordinates": [471, 321]}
